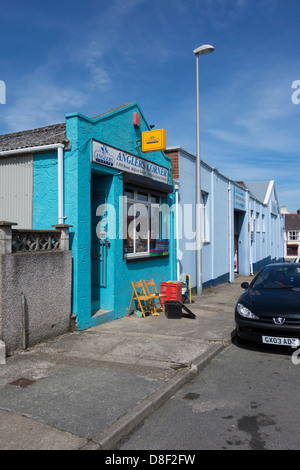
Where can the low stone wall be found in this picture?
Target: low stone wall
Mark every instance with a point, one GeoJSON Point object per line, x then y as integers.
{"type": "Point", "coordinates": [35, 295]}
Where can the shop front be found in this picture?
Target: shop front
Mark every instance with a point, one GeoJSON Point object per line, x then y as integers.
{"type": "Point", "coordinates": [117, 200]}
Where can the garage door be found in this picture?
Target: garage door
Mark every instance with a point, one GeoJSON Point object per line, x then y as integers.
{"type": "Point", "coordinates": [16, 190]}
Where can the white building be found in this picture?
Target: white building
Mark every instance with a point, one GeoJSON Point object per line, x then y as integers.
{"type": "Point", "coordinates": [291, 234]}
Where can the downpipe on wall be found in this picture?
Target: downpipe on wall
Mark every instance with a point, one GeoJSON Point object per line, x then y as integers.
{"type": "Point", "coordinates": [229, 233]}
{"type": "Point", "coordinates": [250, 243]}
{"type": "Point", "coordinates": [176, 183]}
{"type": "Point", "coordinates": [24, 329]}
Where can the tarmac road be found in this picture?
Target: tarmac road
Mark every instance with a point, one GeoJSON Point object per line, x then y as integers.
{"type": "Point", "coordinates": [245, 399]}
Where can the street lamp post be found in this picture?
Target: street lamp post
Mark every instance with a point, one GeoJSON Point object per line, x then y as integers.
{"type": "Point", "coordinates": [205, 49]}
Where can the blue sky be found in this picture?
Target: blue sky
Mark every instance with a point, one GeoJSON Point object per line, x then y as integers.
{"type": "Point", "coordinates": [65, 56]}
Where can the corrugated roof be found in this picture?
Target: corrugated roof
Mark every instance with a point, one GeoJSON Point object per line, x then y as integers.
{"type": "Point", "coordinates": [54, 134]}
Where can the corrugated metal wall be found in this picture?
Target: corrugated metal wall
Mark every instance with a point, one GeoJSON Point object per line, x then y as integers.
{"type": "Point", "coordinates": [16, 190]}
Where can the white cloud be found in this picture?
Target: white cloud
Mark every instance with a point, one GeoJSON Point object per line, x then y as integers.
{"type": "Point", "coordinates": [40, 102]}
{"type": "Point", "coordinates": [103, 43]}
{"type": "Point", "coordinates": [255, 112]}
{"type": "Point", "coordinates": [66, 79]}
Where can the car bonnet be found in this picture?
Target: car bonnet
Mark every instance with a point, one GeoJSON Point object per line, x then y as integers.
{"type": "Point", "coordinates": [270, 302]}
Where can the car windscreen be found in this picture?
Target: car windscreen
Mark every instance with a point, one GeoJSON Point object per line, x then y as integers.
{"type": "Point", "coordinates": [277, 277]}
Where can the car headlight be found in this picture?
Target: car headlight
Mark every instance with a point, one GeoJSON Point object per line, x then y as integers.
{"type": "Point", "coordinates": [245, 312]}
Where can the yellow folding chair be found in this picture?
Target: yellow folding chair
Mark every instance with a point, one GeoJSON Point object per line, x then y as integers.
{"type": "Point", "coordinates": [154, 295]}
{"type": "Point", "coordinates": [143, 299]}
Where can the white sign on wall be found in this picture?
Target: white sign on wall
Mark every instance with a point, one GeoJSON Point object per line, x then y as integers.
{"type": "Point", "coordinates": [239, 199]}
{"type": "Point", "coordinates": [110, 156]}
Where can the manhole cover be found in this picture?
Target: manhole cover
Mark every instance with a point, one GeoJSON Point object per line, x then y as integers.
{"type": "Point", "coordinates": [22, 382]}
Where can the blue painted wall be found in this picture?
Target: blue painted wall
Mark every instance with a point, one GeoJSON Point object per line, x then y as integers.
{"type": "Point", "coordinates": [115, 129]}
{"type": "Point", "coordinates": [267, 245]}
{"type": "Point", "coordinates": [45, 200]}
{"type": "Point", "coordinates": [187, 197]}
{"type": "Point", "coordinates": [216, 247]}
{"type": "Point", "coordinates": [228, 213]}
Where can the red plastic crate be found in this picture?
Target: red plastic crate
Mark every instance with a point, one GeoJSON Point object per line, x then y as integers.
{"type": "Point", "coordinates": [171, 290]}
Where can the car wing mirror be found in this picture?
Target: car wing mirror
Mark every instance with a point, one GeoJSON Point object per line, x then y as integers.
{"type": "Point", "coordinates": [245, 285]}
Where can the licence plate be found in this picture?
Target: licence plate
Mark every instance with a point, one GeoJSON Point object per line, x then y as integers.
{"type": "Point", "coordinates": [294, 342]}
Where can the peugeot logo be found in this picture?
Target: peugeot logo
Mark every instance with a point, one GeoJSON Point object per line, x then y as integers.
{"type": "Point", "coordinates": [279, 320]}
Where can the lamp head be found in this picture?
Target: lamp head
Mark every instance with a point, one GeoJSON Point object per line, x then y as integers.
{"type": "Point", "coordinates": [205, 49]}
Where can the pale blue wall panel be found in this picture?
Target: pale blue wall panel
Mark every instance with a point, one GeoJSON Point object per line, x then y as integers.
{"type": "Point", "coordinates": [16, 190]}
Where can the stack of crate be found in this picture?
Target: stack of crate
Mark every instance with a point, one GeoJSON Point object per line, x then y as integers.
{"type": "Point", "coordinates": [171, 291]}
{"type": "Point", "coordinates": [161, 248]}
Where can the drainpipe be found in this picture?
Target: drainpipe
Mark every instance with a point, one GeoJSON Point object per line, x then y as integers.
{"type": "Point", "coordinates": [24, 335]}
{"type": "Point", "coordinates": [250, 247]}
{"type": "Point", "coordinates": [60, 170]}
{"type": "Point", "coordinates": [230, 233]}
{"type": "Point", "coordinates": [60, 176]}
{"type": "Point", "coordinates": [176, 184]}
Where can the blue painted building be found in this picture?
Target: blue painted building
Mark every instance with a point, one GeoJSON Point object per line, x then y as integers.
{"type": "Point", "coordinates": [242, 229]}
{"type": "Point", "coordinates": [266, 224]}
{"type": "Point", "coordinates": [92, 175]}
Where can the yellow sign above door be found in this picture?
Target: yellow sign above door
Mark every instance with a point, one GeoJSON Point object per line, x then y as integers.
{"type": "Point", "coordinates": [152, 141]}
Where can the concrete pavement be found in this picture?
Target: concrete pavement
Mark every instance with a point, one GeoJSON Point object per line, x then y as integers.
{"type": "Point", "coordinates": [89, 389]}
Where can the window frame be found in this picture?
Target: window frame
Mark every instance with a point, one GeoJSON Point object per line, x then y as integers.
{"type": "Point", "coordinates": [294, 250]}
{"type": "Point", "coordinates": [293, 235]}
{"type": "Point", "coordinates": [153, 201]}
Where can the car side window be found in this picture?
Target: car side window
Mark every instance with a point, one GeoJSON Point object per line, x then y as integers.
{"type": "Point", "coordinates": [259, 283]}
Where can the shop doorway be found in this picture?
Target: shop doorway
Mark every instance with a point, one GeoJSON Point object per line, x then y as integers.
{"type": "Point", "coordinates": [99, 242]}
{"type": "Point", "coordinates": [98, 246]}
{"type": "Point", "coordinates": [236, 253]}
{"type": "Point", "coordinates": [238, 223]}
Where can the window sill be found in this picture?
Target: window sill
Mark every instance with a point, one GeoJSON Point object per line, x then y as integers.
{"type": "Point", "coordinates": [130, 259]}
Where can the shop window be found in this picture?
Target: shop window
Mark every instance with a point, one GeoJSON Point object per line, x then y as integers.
{"type": "Point", "coordinates": [145, 224]}
{"type": "Point", "coordinates": [292, 250]}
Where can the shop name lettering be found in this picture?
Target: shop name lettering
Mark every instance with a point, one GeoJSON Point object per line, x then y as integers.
{"type": "Point", "coordinates": [137, 162]}
{"type": "Point", "coordinates": [2, 92]}
{"type": "Point", "coordinates": [130, 163]}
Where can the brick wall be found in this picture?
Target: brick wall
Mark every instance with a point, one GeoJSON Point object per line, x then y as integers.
{"type": "Point", "coordinates": [175, 163]}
